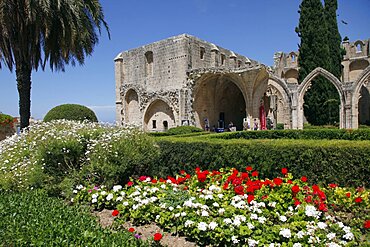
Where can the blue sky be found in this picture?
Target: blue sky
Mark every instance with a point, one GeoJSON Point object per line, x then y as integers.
{"type": "Point", "coordinates": [256, 29]}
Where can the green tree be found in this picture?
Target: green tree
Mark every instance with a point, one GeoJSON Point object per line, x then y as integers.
{"type": "Point", "coordinates": [314, 51]}
{"type": "Point", "coordinates": [35, 33]}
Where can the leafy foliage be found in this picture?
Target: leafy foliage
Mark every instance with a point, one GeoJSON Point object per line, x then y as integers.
{"type": "Point", "coordinates": [319, 47]}
{"type": "Point", "coordinates": [180, 130]}
{"type": "Point", "coordinates": [324, 161]}
{"type": "Point", "coordinates": [34, 219]}
{"type": "Point", "coordinates": [314, 133]}
{"type": "Point", "coordinates": [71, 112]}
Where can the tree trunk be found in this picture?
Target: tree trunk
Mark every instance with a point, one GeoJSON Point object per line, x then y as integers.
{"type": "Point", "coordinates": [23, 72]}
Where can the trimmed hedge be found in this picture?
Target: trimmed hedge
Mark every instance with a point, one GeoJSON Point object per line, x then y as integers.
{"type": "Point", "coordinates": [71, 112]}
{"type": "Point", "coordinates": [316, 134]}
{"type": "Point", "coordinates": [180, 130]}
{"type": "Point", "coordinates": [344, 162]}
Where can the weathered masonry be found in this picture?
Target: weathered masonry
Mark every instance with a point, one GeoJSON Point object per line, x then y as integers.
{"type": "Point", "coordinates": [183, 80]}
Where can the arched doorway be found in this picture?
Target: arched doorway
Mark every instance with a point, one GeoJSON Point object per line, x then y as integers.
{"type": "Point", "coordinates": [132, 110]}
{"type": "Point", "coordinates": [364, 107]}
{"type": "Point", "coordinates": [219, 101]}
{"type": "Point", "coordinates": [331, 103]}
{"type": "Point", "coordinates": [158, 117]}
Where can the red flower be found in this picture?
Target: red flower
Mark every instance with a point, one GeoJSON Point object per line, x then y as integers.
{"type": "Point", "coordinates": [367, 224]}
{"type": "Point", "coordinates": [278, 181]}
{"type": "Point", "coordinates": [115, 213]}
{"type": "Point", "coordinates": [315, 188]}
{"type": "Point", "coordinates": [358, 200]}
{"type": "Point", "coordinates": [284, 171]}
{"type": "Point", "coordinates": [182, 172]}
{"type": "Point", "coordinates": [142, 178]}
{"type": "Point", "coordinates": [264, 197]}
{"type": "Point", "coordinates": [304, 179]}
{"type": "Point", "coordinates": [348, 194]}
{"type": "Point", "coordinates": [154, 181]}
{"type": "Point", "coordinates": [297, 202]}
{"type": "Point", "coordinates": [322, 207]}
{"type": "Point", "coordinates": [308, 199]}
{"type": "Point", "coordinates": [226, 186]}
{"type": "Point", "coordinates": [131, 229]}
{"type": "Point", "coordinates": [295, 189]}
{"type": "Point", "coordinates": [289, 182]}
{"type": "Point", "coordinates": [130, 183]}
{"type": "Point", "coordinates": [333, 186]}
{"type": "Point", "coordinates": [239, 190]}
{"type": "Point", "coordinates": [255, 174]}
{"type": "Point", "coordinates": [249, 168]}
{"type": "Point", "coordinates": [202, 176]}
{"type": "Point", "coordinates": [157, 237]}
{"type": "Point", "coordinates": [250, 198]}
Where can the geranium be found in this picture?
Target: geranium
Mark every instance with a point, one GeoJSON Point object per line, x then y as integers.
{"type": "Point", "coordinates": [115, 213]}
{"type": "Point", "coordinates": [367, 224]}
{"type": "Point", "coordinates": [304, 179]}
{"type": "Point", "coordinates": [295, 189]}
{"type": "Point", "coordinates": [255, 174]}
{"type": "Point", "coordinates": [130, 183]}
{"type": "Point", "coordinates": [348, 194]}
{"type": "Point", "coordinates": [157, 236]}
{"type": "Point", "coordinates": [284, 171]}
{"type": "Point", "coordinates": [249, 168]}
{"type": "Point", "coordinates": [131, 229]}
{"type": "Point", "coordinates": [358, 200]}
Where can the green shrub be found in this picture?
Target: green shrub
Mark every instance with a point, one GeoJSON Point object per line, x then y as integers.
{"type": "Point", "coordinates": [71, 112]}
{"type": "Point", "coordinates": [114, 159]}
{"type": "Point", "coordinates": [316, 134]}
{"type": "Point", "coordinates": [33, 219]}
{"type": "Point", "coordinates": [344, 162]}
{"type": "Point", "coordinates": [180, 130]}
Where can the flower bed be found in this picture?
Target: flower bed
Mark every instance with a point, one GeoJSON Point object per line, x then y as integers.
{"type": "Point", "coordinates": [231, 207]}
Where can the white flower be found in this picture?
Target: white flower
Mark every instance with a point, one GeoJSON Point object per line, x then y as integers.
{"type": "Point", "coordinates": [234, 239]}
{"type": "Point", "coordinates": [285, 232]}
{"type": "Point", "coordinates": [94, 196]}
{"type": "Point", "coordinates": [300, 234]}
{"type": "Point", "coordinates": [117, 188]}
{"type": "Point", "coordinates": [183, 214]}
{"type": "Point", "coordinates": [80, 187]}
{"type": "Point", "coordinates": [215, 204]}
{"type": "Point", "coordinates": [125, 204]}
{"type": "Point", "coordinates": [272, 204]}
{"type": "Point", "coordinates": [212, 225]}
{"type": "Point", "coordinates": [109, 197]}
{"type": "Point", "coordinates": [74, 191]}
{"type": "Point", "coordinates": [205, 213]}
{"type": "Point", "coordinates": [202, 226]}
{"type": "Point", "coordinates": [331, 235]}
{"type": "Point", "coordinates": [348, 236]}
{"type": "Point", "coordinates": [94, 200]}
{"type": "Point", "coordinates": [119, 199]}
{"type": "Point", "coordinates": [220, 196]}
{"type": "Point", "coordinates": [250, 225]}
{"type": "Point", "coordinates": [252, 243]}
{"type": "Point", "coordinates": [322, 225]}
{"type": "Point", "coordinates": [189, 223]}
{"type": "Point", "coordinates": [163, 186]}
{"type": "Point", "coordinates": [262, 219]}
{"type": "Point", "coordinates": [254, 216]}
{"type": "Point", "coordinates": [340, 224]}
{"type": "Point", "coordinates": [236, 222]}
{"type": "Point", "coordinates": [148, 179]}
{"type": "Point", "coordinates": [297, 245]}
{"type": "Point", "coordinates": [103, 193]}
{"type": "Point", "coordinates": [332, 244]}
{"type": "Point", "coordinates": [170, 208]}
{"type": "Point", "coordinates": [177, 215]}
{"type": "Point", "coordinates": [227, 221]}
{"type": "Point", "coordinates": [282, 218]}
{"type": "Point", "coordinates": [157, 216]}
{"type": "Point", "coordinates": [221, 211]}
{"type": "Point", "coordinates": [311, 211]}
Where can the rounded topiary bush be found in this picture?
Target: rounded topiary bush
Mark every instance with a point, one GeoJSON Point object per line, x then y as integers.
{"type": "Point", "coordinates": [71, 112]}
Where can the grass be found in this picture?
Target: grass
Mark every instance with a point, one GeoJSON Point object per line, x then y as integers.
{"type": "Point", "coordinates": [34, 219]}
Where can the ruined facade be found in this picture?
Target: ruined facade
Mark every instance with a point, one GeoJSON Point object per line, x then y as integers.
{"type": "Point", "coordinates": [183, 80]}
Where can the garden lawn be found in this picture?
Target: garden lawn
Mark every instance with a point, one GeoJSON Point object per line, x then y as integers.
{"type": "Point", "coordinates": [34, 219]}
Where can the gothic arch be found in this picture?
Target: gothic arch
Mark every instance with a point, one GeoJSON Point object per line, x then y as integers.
{"type": "Point", "coordinates": [356, 94]}
{"type": "Point", "coordinates": [356, 68]}
{"type": "Point", "coordinates": [132, 106]}
{"type": "Point", "coordinates": [303, 87]}
{"type": "Point", "coordinates": [361, 80]}
{"type": "Point", "coordinates": [159, 116]}
{"type": "Point", "coordinates": [285, 90]}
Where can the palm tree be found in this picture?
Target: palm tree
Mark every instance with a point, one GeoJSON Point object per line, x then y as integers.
{"type": "Point", "coordinates": [34, 33]}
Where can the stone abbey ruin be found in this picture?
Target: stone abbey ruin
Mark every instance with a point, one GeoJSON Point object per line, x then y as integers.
{"type": "Point", "coordinates": [184, 80]}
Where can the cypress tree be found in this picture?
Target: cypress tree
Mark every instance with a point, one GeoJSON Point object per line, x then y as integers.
{"type": "Point", "coordinates": [321, 100]}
